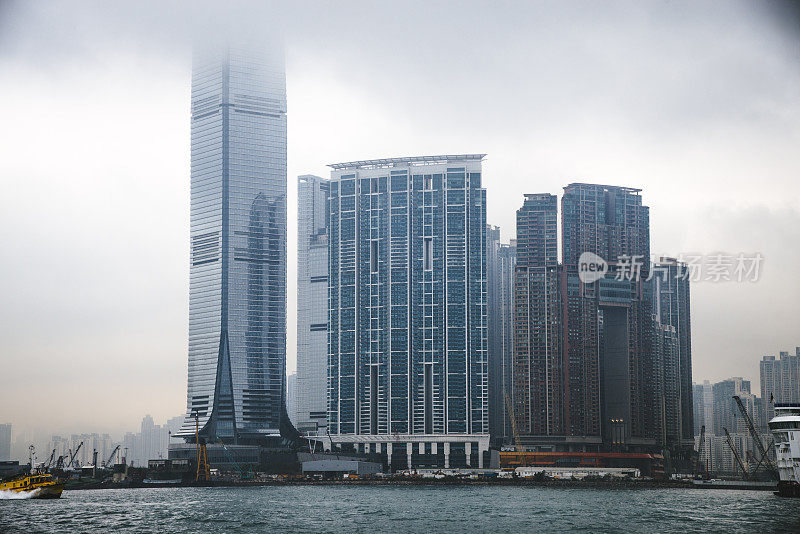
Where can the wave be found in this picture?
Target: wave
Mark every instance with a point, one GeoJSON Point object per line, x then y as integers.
{"type": "Point", "coordinates": [8, 495]}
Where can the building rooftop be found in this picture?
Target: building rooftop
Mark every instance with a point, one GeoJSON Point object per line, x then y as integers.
{"type": "Point", "coordinates": [413, 160]}
{"type": "Point", "coordinates": [618, 187]}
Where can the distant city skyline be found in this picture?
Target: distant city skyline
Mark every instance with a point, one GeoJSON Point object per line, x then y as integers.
{"type": "Point", "coordinates": [675, 100]}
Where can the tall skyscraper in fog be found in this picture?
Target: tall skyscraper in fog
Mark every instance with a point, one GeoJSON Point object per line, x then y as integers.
{"type": "Point", "coordinates": [237, 287]}
{"type": "Point", "coordinates": [408, 340]}
{"type": "Point", "coordinates": [311, 403]}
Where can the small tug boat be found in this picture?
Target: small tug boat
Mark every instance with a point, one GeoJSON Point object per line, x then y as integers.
{"type": "Point", "coordinates": [785, 427]}
{"type": "Point", "coordinates": [38, 485]}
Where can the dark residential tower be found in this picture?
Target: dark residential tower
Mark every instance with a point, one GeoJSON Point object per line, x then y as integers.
{"type": "Point", "coordinates": [607, 322]}
{"type": "Point", "coordinates": [539, 396]}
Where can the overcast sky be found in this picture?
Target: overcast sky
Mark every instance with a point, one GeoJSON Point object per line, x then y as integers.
{"type": "Point", "coordinates": [696, 103]}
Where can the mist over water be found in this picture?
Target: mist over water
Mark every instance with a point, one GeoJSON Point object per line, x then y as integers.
{"type": "Point", "coordinates": [423, 509]}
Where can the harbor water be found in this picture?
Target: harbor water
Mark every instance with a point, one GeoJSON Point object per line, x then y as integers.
{"type": "Point", "coordinates": [416, 509]}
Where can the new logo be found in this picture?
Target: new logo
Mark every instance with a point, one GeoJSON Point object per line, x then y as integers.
{"type": "Point", "coordinates": [591, 267]}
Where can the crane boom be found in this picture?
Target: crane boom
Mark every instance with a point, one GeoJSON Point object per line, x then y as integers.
{"type": "Point", "coordinates": [514, 429]}
{"type": "Point", "coordinates": [756, 438]}
{"type": "Point", "coordinates": [111, 456]}
{"type": "Point", "coordinates": [50, 461]}
{"type": "Point", "coordinates": [74, 454]}
{"type": "Point", "coordinates": [700, 445]}
{"type": "Point", "coordinates": [735, 454]}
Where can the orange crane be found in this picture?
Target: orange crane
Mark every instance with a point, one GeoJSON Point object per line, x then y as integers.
{"type": "Point", "coordinates": [514, 429]}
{"type": "Point", "coordinates": [203, 472]}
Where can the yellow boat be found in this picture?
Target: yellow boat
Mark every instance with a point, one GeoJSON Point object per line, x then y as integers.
{"type": "Point", "coordinates": [40, 486]}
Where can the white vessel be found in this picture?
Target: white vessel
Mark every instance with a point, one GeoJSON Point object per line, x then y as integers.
{"type": "Point", "coordinates": [785, 427]}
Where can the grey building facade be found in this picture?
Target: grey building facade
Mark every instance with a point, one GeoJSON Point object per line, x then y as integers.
{"type": "Point", "coordinates": [311, 415]}
{"type": "Point", "coordinates": [408, 344]}
{"type": "Point", "coordinates": [500, 259]}
{"type": "Point", "coordinates": [5, 442]}
{"type": "Point", "coordinates": [780, 380]}
{"type": "Point", "coordinates": [237, 287]}
{"type": "Point", "coordinates": [703, 401]}
{"type": "Point", "coordinates": [671, 308]}
{"type": "Point", "coordinates": [726, 411]}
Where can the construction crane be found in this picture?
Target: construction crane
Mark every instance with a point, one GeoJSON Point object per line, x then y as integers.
{"type": "Point", "coordinates": [514, 429]}
{"type": "Point", "coordinates": [244, 475]}
{"type": "Point", "coordinates": [50, 460]}
{"type": "Point", "coordinates": [758, 464]}
{"type": "Point", "coordinates": [700, 445]}
{"type": "Point", "coordinates": [71, 462]}
{"type": "Point", "coordinates": [756, 438]}
{"type": "Point", "coordinates": [111, 456]}
{"type": "Point", "coordinates": [735, 454]}
{"type": "Point", "coordinates": [203, 471]}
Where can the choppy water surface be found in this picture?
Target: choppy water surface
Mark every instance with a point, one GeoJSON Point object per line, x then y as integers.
{"type": "Point", "coordinates": [423, 509]}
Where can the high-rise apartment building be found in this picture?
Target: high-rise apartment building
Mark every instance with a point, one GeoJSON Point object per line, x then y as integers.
{"type": "Point", "coordinates": [237, 287]}
{"type": "Point", "coordinates": [608, 368]}
{"type": "Point", "coordinates": [780, 380]}
{"type": "Point", "coordinates": [312, 304]}
{"type": "Point", "coordinates": [589, 362]}
{"type": "Point", "coordinates": [539, 374]}
{"type": "Point", "coordinates": [500, 259]}
{"type": "Point", "coordinates": [407, 325]}
{"type": "Point", "coordinates": [5, 442]}
{"type": "Point", "coordinates": [667, 385]}
{"type": "Point", "coordinates": [671, 308]}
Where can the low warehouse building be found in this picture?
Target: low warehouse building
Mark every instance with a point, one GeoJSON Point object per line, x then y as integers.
{"type": "Point", "coordinates": [340, 467]}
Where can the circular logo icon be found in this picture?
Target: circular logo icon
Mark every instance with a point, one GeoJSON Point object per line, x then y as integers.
{"type": "Point", "coordinates": [591, 267]}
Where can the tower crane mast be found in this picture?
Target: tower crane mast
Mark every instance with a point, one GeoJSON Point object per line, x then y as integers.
{"type": "Point", "coordinates": [735, 454]}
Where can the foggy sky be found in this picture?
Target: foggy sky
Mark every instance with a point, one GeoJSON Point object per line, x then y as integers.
{"type": "Point", "coordinates": [696, 103]}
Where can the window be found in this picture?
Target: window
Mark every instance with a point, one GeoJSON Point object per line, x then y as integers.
{"type": "Point", "coordinates": [428, 182]}
{"type": "Point", "coordinates": [373, 256]}
{"type": "Point", "coordinates": [427, 253]}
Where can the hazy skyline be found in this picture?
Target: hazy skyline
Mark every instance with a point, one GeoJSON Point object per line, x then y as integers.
{"type": "Point", "coordinates": [695, 103]}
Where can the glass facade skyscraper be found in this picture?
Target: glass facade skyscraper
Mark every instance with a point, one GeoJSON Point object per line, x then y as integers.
{"type": "Point", "coordinates": [407, 309]}
{"type": "Point", "coordinates": [237, 288]}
